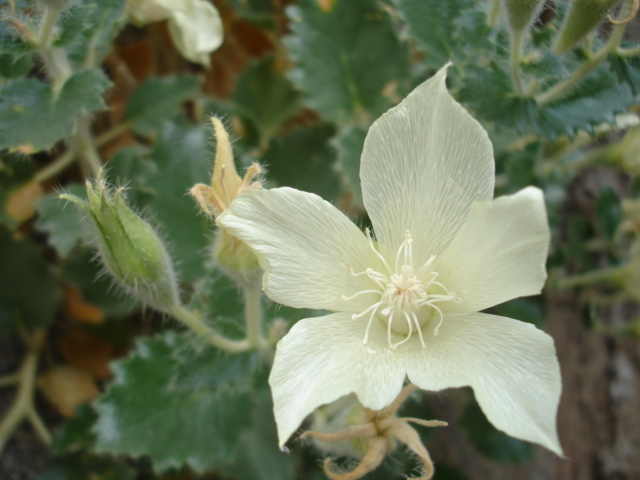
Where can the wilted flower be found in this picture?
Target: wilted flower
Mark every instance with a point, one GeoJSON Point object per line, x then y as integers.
{"type": "Point", "coordinates": [194, 25]}
{"type": "Point", "coordinates": [406, 302]}
{"type": "Point", "coordinates": [226, 185]}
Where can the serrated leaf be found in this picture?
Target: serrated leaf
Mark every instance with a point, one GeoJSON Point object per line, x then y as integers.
{"type": "Point", "coordinates": [85, 272]}
{"type": "Point", "coordinates": [61, 221]}
{"type": "Point", "coordinates": [182, 156]}
{"type": "Point", "coordinates": [347, 59]}
{"type": "Point", "coordinates": [158, 99]}
{"type": "Point", "coordinates": [34, 117]}
{"type": "Point", "coordinates": [304, 159]}
{"type": "Point", "coordinates": [349, 144]}
{"type": "Point", "coordinates": [25, 276]}
{"type": "Point", "coordinates": [88, 28]}
{"type": "Point", "coordinates": [627, 70]}
{"type": "Point", "coordinates": [490, 442]}
{"type": "Point", "coordinates": [489, 93]}
{"type": "Point", "coordinates": [152, 409]}
{"type": "Point", "coordinates": [431, 23]}
{"type": "Point", "coordinates": [266, 96]}
{"type": "Point", "coordinates": [595, 100]}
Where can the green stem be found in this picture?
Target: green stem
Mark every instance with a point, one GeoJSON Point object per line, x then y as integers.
{"type": "Point", "coordinates": [628, 52]}
{"type": "Point", "coordinates": [85, 147]}
{"type": "Point", "coordinates": [516, 55]}
{"type": "Point", "coordinates": [605, 275]}
{"type": "Point", "coordinates": [253, 312]}
{"type": "Point", "coordinates": [55, 167]}
{"type": "Point", "coordinates": [583, 70]}
{"type": "Point", "coordinates": [196, 324]}
{"type": "Point", "coordinates": [55, 59]}
{"type": "Point", "coordinates": [113, 132]}
{"type": "Point", "coordinates": [493, 9]}
{"type": "Point", "coordinates": [45, 35]}
{"type": "Point", "coordinates": [23, 405]}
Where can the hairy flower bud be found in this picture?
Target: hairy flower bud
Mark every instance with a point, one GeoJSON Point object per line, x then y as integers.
{"type": "Point", "coordinates": [130, 249]}
{"type": "Point", "coordinates": [522, 13]}
{"type": "Point", "coordinates": [583, 16]}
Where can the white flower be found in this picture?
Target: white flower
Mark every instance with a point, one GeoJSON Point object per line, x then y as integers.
{"type": "Point", "coordinates": [407, 304]}
{"type": "Point", "coordinates": [194, 25]}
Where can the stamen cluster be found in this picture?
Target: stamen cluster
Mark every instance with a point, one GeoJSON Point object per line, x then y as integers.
{"type": "Point", "coordinates": [404, 294]}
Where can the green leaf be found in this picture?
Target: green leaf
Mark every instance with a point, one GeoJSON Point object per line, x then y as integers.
{"type": "Point", "coordinates": [88, 28]}
{"type": "Point", "coordinates": [61, 221]}
{"type": "Point", "coordinates": [158, 99]}
{"type": "Point", "coordinates": [13, 66]}
{"type": "Point", "coordinates": [131, 168]}
{"type": "Point", "coordinates": [176, 405]}
{"type": "Point", "coordinates": [34, 117]}
{"type": "Point", "coordinates": [489, 93]}
{"type": "Point", "coordinates": [304, 159]}
{"type": "Point", "coordinates": [490, 442]}
{"type": "Point", "coordinates": [76, 434]}
{"type": "Point", "coordinates": [349, 60]}
{"type": "Point", "coordinates": [182, 156]}
{"type": "Point", "coordinates": [431, 23]}
{"type": "Point", "coordinates": [595, 100]}
{"type": "Point", "coordinates": [258, 456]}
{"type": "Point", "coordinates": [85, 272]}
{"type": "Point", "coordinates": [626, 70]}
{"type": "Point", "coordinates": [349, 144]}
{"type": "Point", "coordinates": [266, 96]}
{"type": "Point", "coordinates": [24, 277]}
{"type": "Point", "coordinates": [14, 30]}
{"type": "Point", "coordinates": [86, 466]}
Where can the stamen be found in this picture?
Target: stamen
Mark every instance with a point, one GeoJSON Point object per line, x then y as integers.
{"type": "Point", "coordinates": [375, 250]}
{"type": "Point", "coordinates": [436, 330]}
{"type": "Point", "coordinates": [427, 265]}
{"type": "Point", "coordinates": [389, 328]}
{"type": "Point", "coordinates": [366, 331]}
{"type": "Point", "coordinates": [415, 319]}
{"type": "Point", "coordinates": [364, 312]}
{"type": "Point", "coordinates": [362, 292]}
{"type": "Point", "coordinates": [396, 345]}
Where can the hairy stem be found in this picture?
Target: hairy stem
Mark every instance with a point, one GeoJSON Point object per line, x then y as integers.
{"type": "Point", "coordinates": [23, 407]}
{"type": "Point", "coordinates": [195, 323]}
{"type": "Point", "coordinates": [516, 55]}
{"type": "Point", "coordinates": [253, 312]}
{"type": "Point", "coordinates": [583, 70]}
{"type": "Point", "coordinates": [605, 275]}
{"type": "Point", "coordinates": [82, 143]}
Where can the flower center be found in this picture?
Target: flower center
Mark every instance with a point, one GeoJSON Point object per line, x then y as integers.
{"type": "Point", "coordinates": [407, 298]}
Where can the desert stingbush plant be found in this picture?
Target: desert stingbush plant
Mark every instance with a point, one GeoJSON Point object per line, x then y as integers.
{"type": "Point", "coordinates": [199, 398]}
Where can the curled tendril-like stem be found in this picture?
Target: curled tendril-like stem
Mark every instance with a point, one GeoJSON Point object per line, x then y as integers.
{"type": "Point", "coordinates": [633, 10]}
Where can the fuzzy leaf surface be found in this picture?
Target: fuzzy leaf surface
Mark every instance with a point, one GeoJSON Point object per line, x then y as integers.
{"type": "Point", "coordinates": [33, 117]}
{"type": "Point", "coordinates": [346, 57]}
{"type": "Point", "coordinates": [167, 391]}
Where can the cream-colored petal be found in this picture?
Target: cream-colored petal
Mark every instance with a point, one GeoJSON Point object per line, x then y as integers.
{"type": "Point", "coordinates": [424, 163]}
{"type": "Point", "coordinates": [322, 359]}
{"type": "Point", "coordinates": [196, 30]}
{"type": "Point", "coordinates": [499, 253]}
{"type": "Point", "coordinates": [142, 12]}
{"type": "Point", "coordinates": [306, 247]}
{"type": "Point", "coordinates": [511, 366]}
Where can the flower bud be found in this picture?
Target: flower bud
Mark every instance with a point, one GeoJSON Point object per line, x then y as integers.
{"type": "Point", "coordinates": [522, 13]}
{"type": "Point", "coordinates": [231, 253]}
{"type": "Point", "coordinates": [130, 249]}
{"type": "Point", "coordinates": [583, 16]}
